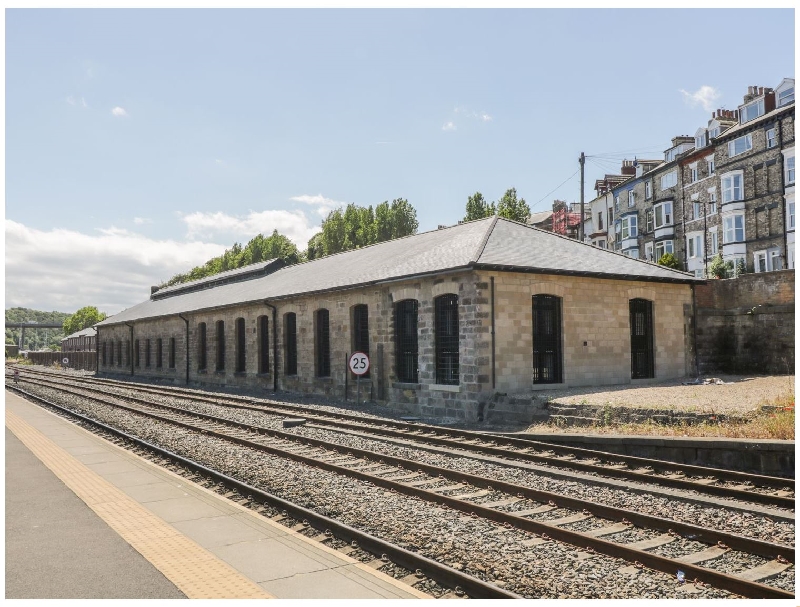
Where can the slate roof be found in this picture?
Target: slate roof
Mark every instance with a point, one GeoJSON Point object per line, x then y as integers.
{"type": "Point", "coordinates": [87, 332]}
{"type": "Point", "coordinates": [741, 128]}
{"type": "Point", "coordinates": [490, 243]}
{"type": "Point", "coordinates": [252, 270]}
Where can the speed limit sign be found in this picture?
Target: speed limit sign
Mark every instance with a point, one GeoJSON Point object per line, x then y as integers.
{"type": "Point", "coordinates": [359, 363]}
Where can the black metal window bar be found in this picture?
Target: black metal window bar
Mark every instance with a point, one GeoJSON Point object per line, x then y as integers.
{"type": "Point", "coordinates": [642, 359]}
{"type": "Point", "coordinates": [104, 353]}
{"type": "Point", "coordinates": [240, 346]}
{"type": "Point", "coordinates": [547, 355]}
{"type": "Point", "coordinates": [136, 357]}
{"type": "Point", "coordinates": [291, 343]}
{"type": "Point", "coordinates": [220, 345]}
{"type": "Point", "coordinates": [323, 345]}
{"type": "Point", "coordinates": [159, 353]}
{"type": "Point", "coordinates": [171, 352]}
{"type": "Point", "coordinates": [201, 347]}
{"type": "Point", "coordinates": [111, 354]}
{"type": "Point", "coordinates": [406, 341]}
{"type": "Point", "coordinates": [263, 344]}
{"type": "Point", "coordinates": [361, 330]}
{"type": "Point", "coordinates": [446, 332]}
{"type": "Point", "coordinates": [119, 353]}
{"type": "Point", "coordinates": [146, 352]}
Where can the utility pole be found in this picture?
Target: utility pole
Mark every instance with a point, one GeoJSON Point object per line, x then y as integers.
{"type": "Point", "coordinates": [582, 160]}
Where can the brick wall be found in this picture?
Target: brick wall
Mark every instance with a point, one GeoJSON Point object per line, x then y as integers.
{"type": "Point", "coordinates": [746, 324]}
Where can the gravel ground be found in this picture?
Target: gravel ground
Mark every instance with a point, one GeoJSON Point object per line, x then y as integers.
{"type": "Point", "coordinates": [739, 394]}
{"type": "Point", "coordinates": [547, 570]}
{"type": "Point", "coordinates": [744, 523]}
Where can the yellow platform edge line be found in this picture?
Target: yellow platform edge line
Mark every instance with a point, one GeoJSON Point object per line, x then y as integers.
{"type": "Point", "coordinates": [194, 570]}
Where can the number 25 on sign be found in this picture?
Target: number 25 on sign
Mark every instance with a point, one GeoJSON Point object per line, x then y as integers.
{"type": "Point", "coordinates": [359, 363]}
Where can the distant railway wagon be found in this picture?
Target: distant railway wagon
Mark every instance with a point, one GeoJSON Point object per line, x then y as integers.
{"type": "Point", "coordinates": [449, 319]}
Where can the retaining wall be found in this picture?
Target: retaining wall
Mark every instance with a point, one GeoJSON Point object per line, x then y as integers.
{"type": "Point", "coordinates": [746, 324]}
{"type": "Point", "coordinates": [77, 360]}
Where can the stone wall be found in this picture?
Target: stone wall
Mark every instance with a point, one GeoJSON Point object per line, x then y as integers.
{"type": "Point", "coordinates": [596, 340]}
{"type": "Point", "coordinates": [746, 324]}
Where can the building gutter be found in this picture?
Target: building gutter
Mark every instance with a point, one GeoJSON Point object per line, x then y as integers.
{"type": "Point", "coordinates": [783, 196]}
{"type": "Point", "coordinates": [491, 279]}
{"type": "Point", "coordinates": [186, 320]}
{"type": "Point", "coordinates": [130, 347]}
{"type": "Point", "coordinates": [274, 346]}
{"type": "Point", "coordinates": [694, 332]}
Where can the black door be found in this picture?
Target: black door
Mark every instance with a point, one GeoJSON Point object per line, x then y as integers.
{"type": "Point", "coordinates": [641, 339]}
{"type": "Point", "coordinates": [547, 339]}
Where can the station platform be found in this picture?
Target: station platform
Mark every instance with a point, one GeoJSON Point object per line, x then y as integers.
{"type": "Point", "coordinates": [87, 519]}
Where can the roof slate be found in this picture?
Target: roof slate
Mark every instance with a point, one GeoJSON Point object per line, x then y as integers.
{"type": "Point", "coordinates": [485, 242]}
{"type": "Point", "coordinates": [87, 332]}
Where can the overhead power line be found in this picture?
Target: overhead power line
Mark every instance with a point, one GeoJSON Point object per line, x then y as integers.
{"type": "Point", "coordinates": [556, 188]}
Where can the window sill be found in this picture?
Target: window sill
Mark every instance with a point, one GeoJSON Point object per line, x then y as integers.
{"type": "Point", "coordinates": [240, 374]}
{"type": "Point", "coordinates": [406, 386]}
{"type": "Point", "coordinates": [219, 372]}
{"type": "Point", "coordinates": [202, 371]}
{"type": "Point", "coordinates": [325, 380]}
{"type": "Point", "coordinates": [444, 388]}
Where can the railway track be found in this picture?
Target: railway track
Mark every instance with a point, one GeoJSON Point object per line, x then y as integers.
{"type": "Point", "coordinates": [544, 516]}
{"type": "Point", "coordinates": [761, 489]}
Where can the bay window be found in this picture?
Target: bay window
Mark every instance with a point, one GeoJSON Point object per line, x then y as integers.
{"type": "Point", "coordinates": [663, 214]}
{"type": "Point", "coordinates": [734, 228]}
{"type": "Point", "coordinates": [732, 187]}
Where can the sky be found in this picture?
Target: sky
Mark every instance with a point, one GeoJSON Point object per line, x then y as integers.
{"type": "Point", "coordinates": [140, 143]}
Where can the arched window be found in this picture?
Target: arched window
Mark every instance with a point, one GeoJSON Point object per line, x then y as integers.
{"type": "Point", "coordinates": [263, 344]}
{"type": "Point", "coordinates": [220, 345]}
{"type": "Point", "coordinates": [547, 355]}
{"type": "Point", "coordinates": [446, 333]}
{"type": "Point", "coordinates": [290, 341]}
{"type": "Point", "coordinates": [201, 347]}
{"type": "Point", "coordinates": [136, 357]}
{"type": "Point", "coordinates": [322, 343]}
{"type": "Point", "coordinates": [361, 330]}
{"type": "Point", "coordinates": [642, 359]}
{"type": "Point", "coordinates": [240, 345]}
{"type": "Point", "coordinates": [171, 352]}
{"type": "Point", "coordinates": [159, 353]}
{"type": "Point", "coordinates": [147, 353]}
{"type": "Point", "coordinates": [406, 342]}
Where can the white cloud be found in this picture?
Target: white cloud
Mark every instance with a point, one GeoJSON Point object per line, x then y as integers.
{"type": "Point", "coordinates": [292, 224]}
{"type": "Point", "coordinates": [83, 102]}
{"type": "Point", "coordinates": [219, 162]}
{"type": "Point", "coordinates": [324, 205]}
{"type": "Point", "coordinates": [706, 96]}
{"type": "Point", "coordinates": [112, 269]}
{"type": "Point", "coordinates": [485, 117]}
{"type": "Point", "coordinates": [449, 126]}
{"type": "Point", "coordinates": [71, 100]}
{"type": "Point", "coordinates": [141, 220]}
{"type": "Point", "coordinates": [119, 112]}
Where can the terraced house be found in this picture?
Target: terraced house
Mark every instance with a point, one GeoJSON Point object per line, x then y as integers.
{"type": "Point", "coordinates": [729, 189]}
{"type": "Point", "coordinates": [449, 319]}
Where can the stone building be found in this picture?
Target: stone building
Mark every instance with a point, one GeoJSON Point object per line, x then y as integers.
{"type": "Point", "coordinates": [601, 208]}
{"type": "Point", "coordinates": [633, 204]}
{"type": "Point", "coordinates": [80, 341]}
{"type": "Point", "coordinates": [449, 318]}
{"type": "Point", "coordinates": [699, 207]}
{"type": "Point", "coordinates": [755, 166]}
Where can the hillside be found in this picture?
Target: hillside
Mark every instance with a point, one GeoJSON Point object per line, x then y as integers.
{"type": "Point", "coordinates": [35, 339]}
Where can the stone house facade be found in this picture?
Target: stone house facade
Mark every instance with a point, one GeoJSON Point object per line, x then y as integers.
{"type": "Point", "coordinates": [754, 162]}
{"type": "Point", "coordinates": [449, 319]}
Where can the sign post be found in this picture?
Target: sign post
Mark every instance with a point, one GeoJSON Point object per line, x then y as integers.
{"type": "Point", "coordinates": [359, 364]}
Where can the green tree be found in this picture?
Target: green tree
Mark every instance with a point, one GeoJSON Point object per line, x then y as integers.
{"type": "Point", "coordinates": [85, 317]}
{"type": "Point", "coordinates": [717, 268]}
{"type": "Point", "coordinates": [512, 208]}
{"type": "Point", "coordinates": [478, 207]}
{"type": "Point", "coordinates": [404, 218]}
{"type": "Point", "coordinates": [668, 260]}
{"type": "Point", "coordinates": [383, 222]}
{"type": "Point", "coordinates": [315, 247]}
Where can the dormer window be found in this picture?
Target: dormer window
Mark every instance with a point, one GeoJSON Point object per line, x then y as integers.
{"type": "Point", "coordinates": [751, 111]}
{"type": "Point", "coordinates": [700, 140]}
{"type": "Point", "coordinates": [713, 133]}
{"type": "Point", "coordinates": [786, 97]}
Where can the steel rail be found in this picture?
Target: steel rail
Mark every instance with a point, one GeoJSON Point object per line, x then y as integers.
{"type": "Point", "coordinates": [444, 575]}
{"type": "Point", "coordinates": [664, 564]}
{"type": "Point", "coordinates": [520, 443]}
{"type": "Point", "coordinates": [679, 483]}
